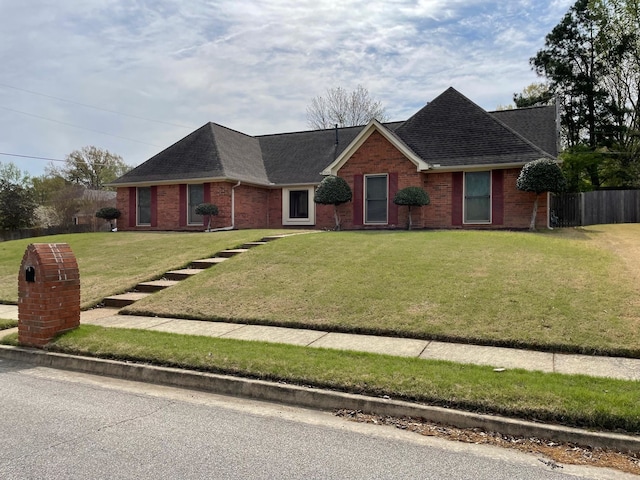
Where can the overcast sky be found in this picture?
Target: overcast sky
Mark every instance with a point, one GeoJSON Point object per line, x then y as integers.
{"type": "Point", "coordinates": [155, 70]}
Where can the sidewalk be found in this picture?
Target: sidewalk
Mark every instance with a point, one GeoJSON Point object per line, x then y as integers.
{"type": "Point", "coordinates": [508, 358]}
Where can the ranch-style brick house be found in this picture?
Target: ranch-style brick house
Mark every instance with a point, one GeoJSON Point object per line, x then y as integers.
{"type": "Point", "coordinates": [466, 158]}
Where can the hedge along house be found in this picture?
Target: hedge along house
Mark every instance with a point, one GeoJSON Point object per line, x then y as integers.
{"type": "Point", "coordinates": [467, 159]}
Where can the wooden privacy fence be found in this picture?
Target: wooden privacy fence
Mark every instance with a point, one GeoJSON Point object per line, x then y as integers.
{"type": "Point", "coordinates": [593, 208]}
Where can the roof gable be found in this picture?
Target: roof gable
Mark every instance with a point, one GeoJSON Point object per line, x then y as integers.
{"type": "Point", "coordinates": [453, 131]}
{"type": "Point", "coordinates": [365, 133]}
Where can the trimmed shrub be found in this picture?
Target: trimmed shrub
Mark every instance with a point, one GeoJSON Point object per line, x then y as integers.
{"type": "Point", "coordinates": [411, 197]}
{"type": "Point", "coordinates": [333, 191]}
{"type": "Point", "coordinates": [539, 176]}
{"type": "Point", "coordinates": [208, 210]}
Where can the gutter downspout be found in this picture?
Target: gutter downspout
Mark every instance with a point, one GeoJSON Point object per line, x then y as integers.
{"type": "Point", "coordinates": [233, 204]}
{"type": "Point", "coordinates": [233, 211]}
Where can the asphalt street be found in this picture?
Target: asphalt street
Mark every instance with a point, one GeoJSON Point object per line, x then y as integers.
{"type": "Point", "coordinates": [62, 425]}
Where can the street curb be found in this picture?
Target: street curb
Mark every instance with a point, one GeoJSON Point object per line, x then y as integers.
{"type": "Point", "coordinates": [316, 398]}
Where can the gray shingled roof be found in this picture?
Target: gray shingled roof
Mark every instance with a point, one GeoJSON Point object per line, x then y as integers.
{"type": "Point", "coordinates": [450, 131]}
{"type": "Point", "coordinates": [212, 151]}
{"type": "Point", "coordinates": [453, 131]}
{"type": "Point", "coordinates": [294, 158]}
{"type": "Point", "coordinates": [536, 124]}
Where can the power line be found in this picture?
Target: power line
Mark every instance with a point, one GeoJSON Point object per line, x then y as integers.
{"type": "Point", "coordinates": [94, 107]}
{"type": "Point", "coordinates": [77, 126]}
{"type": "Point", "coordinates": [31, 156]}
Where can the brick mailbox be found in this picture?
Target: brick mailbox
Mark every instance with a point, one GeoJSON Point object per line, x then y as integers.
{"type": "Point", "coordinates": [48, 293]}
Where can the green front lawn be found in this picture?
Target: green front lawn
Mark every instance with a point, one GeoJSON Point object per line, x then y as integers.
{"type": "Point", "coordinates": [112, 263]}
{"type": "Point", "coordinates": [558, 290]}
{"type": "Point", "coordinates": [4, 324]}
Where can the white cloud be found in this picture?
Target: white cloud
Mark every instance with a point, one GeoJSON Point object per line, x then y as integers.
{"type": "Point", "coordinates": [253, 66]}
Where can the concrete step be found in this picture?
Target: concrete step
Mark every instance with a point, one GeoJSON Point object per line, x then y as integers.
{"type": "Point", "coordinates": [253, 244]}
{"type": "Point", "coordinates": [207, 262]}
{"type": "Point", "coordinates": [232, 252]}
{"type": "Point", "coordinates": [182, 274]}
{"type": "Point", "coordinates": [155, 285]}
{"type": "Point", "coordinates": [119, 301]}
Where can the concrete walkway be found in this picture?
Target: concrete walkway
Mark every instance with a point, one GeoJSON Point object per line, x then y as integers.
{"type": "Point", "coordinates": [507, 358]}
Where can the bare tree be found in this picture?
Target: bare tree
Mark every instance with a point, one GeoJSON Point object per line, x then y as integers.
{"type": "Point", "coordinates": [346, 109]}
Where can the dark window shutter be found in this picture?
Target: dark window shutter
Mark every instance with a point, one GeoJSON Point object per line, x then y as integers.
{"type": "Point", "coordinates": [357, 199]}
{"type": "Point", "coordinates": [154, 206]}
{"type": "Point", "coordinates": [182, 205]}
{"type": "Point", "coordinates": [133, 210]}
{"type": "Point", "coordinates": [393, 189]}
{"type": "Point", "coordinates": [456, 198]}
{"type": "Point", "coordinates": [206, 192]}
{"type": "Point", "coordinates": [497, 197]}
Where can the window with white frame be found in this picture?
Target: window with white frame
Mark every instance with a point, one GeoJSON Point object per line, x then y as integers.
{"type": "Point", "coordinates": [298, 207]}
{"type": "Point", "coordinates": [376, 188]}
{"type": "Point", "coordinates": [477, 197]}
{"type": "Point", "coordinates": [143, 207]}
{"type": "Point", "coordinates": [195, 196]}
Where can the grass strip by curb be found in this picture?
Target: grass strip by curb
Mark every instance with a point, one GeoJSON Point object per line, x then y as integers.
{"type": "Point", "coordinates": [5, 324]}
{"type": "Point", "coordinates": [573, 400]}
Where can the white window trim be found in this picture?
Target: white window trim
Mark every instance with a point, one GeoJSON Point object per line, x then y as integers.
{"type": "Point", "coordinates": [286, 220]}
{"type": "Point", "coordinates": [138, 223]}
{"type": "Point", "coordinates": [464, 199]}
{"type": "Point", "coordinates": [189, 222]}
{"type": "Point", "coordinates": [364, 199]}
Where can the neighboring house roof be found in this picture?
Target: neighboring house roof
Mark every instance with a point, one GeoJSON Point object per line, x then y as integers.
{"type": "Point", "coordinates": [99, 195]}
{"type": "Point", "coordinates": [451, 131]}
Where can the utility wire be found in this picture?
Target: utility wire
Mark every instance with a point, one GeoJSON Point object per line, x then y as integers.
{"type": "Point", "coordinates": [77, 126]}
{"type": "Point", "coordinates": [31, 156]}
{"type": "Point", "coordinates": [94, 107]}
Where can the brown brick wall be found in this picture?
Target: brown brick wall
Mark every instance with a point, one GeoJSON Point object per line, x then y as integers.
{"type": "Point", "coordinates": [274, 208]}
{"type": "Point", "coordinates": [168, 212]}
{"type": "Point", "coordinates": [257, 207]}
{"type": "Point", "coordinates": [438, 213]}
{"type": "Point", "coordinates": [378, 155]}
{"type": "Point", "coordinates": [250, 207]}
{"type": "Point", "coordinates": [518, 205]}
{"type": "Point", "coordinates": [122, 204]}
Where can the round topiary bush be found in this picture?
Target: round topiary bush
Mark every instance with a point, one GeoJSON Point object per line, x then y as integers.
{"type": "Point", "coordinates": [333, 191]}
{"type": "Point", "coordinates": [411, 197]}
{"type": "Point", "coordinates": [208, 210]}
{"type": "Point", "coordinates": [539, 176]}
{"type": "Point", "coordinates": [108, 213]}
